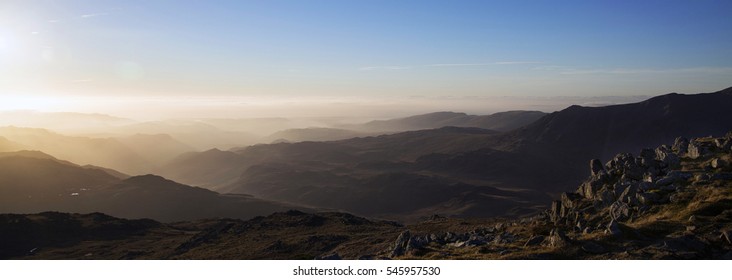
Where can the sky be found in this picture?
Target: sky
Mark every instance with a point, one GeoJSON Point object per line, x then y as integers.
{"type": "Point", "coordinates": [56, 54]}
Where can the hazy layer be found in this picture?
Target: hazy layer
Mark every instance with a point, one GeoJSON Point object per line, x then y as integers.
{"type": "Point", "coordinates": [339, 108]}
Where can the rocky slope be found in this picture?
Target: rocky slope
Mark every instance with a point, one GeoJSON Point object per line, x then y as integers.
{"type": "Point", "coordinates": [671, 202]}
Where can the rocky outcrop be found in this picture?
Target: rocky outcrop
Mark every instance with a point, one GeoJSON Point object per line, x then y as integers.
{"type": "Point", "coordinates": [626, 186]}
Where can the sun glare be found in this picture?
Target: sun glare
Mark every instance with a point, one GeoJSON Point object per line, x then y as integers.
{"type": "Point", "coordinates": [35, 103]}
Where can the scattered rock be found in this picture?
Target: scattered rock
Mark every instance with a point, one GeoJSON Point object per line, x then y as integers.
{"type": "Point", "coordinates": [534, 240]}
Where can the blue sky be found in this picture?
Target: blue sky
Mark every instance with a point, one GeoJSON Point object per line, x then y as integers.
{"type": "Point", "coordinates": [364, 48]}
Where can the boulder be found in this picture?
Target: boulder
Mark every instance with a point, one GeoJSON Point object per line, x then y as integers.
{"type": "Point", "coordinates": [648, 198]}
{"type": "Point", "coordinates": [696, 150]}
{"type": "Point", "coordinates": [667, 157]}
{"type": "Point", "coordinates": [568, 199]}
{"type": "Point", "coordinates": [619, 211]}
{"type": "Point", "coordinates": [629, 195]}
{"type": "Point", "coordinates": [647, 158]}
{"type": "Point", "coordinates": [680, 146]}
{"type": "Point", "coordinates": [596, 167]}
{"type": "Point", "coordinates": [401, 244]}
{"type": "Point", "coordinates": [718, 163]}
{"type": "Point", "coordinates": [557, 238]}
{"type": "Point", "coordinates": [723, 144]}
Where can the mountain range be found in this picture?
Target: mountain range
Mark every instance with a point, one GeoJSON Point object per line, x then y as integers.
{"type": "Point", "coordinates": [454, 170]}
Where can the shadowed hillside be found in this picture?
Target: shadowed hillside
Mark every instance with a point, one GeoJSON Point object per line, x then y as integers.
{"type": "Point", "coordinates": [33, 182]}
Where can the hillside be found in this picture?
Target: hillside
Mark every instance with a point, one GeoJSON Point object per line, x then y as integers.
{"type": "Point", "coordinates": [33, 182]}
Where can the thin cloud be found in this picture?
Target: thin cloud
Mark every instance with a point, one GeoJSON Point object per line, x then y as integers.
{"type": "Point", "coordinates": [516, 62]}
{"type": "Point", "coordinates": [393, 67]}
{"type": "Point", "coordinates": [636, 71]}
{"type": "Point", "coordinates": [482, 64]}
{"type": "Point", "coordinates": [396, 67]}
{"type": "Point", "coordinates": [94, 15]}
{"type": "Point", "coordinates": [458, 64]}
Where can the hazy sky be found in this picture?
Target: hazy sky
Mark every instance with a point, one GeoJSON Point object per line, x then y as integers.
{"type": "Point", "coordinates": [360, 49]}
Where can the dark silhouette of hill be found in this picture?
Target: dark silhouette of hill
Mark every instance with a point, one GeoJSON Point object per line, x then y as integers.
{"type": "Point", "coordinates": [34, 182]}
{"type": "Point", "coordinates": [601, 132]}
{"type": "Point", "coordinates": [503, 121]}
{"type": "Point", "coordinates": [574, 134]}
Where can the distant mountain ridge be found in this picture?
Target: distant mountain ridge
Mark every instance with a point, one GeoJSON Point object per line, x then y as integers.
{"type": "Point", "coordinates": [502, 121]}
{"type": "Point", "coordinates": [33, 182]}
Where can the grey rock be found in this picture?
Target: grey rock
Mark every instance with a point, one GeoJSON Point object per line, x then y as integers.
{"type": "Point", "coordinates": [435, 238]}
{"type": "Point", "coordinates": [629, 195]}
{"type": "Point", "coordinates": [596, 167]}
{"type": "Point", "coordinates": [648, 198]}
{"type": "Point", "coordinates": [606, 196]}
{"type": "Point", "coordinates": [613, 228]}
{"type": "Point", "coordinates": [504, 238]}
{"type": "Point", "coordinates": [534, 240]}
{"type": "Point", "coordinates": [695, 150]}
{"type": "Point", "coordinates": [568, 199]}
{"type": "Point", "coordinates": [557, 238]}
{"type": "Point", "coordinates": [619, 211]}
{"type": "Point", "coordinates": [723, 144]}
{"type": "Point", "coordinates": [680, 146]}
{"type": "Point", "coordinates": [727, 235]}
{"type": "Point", "coordinates": [719, 163]}
{"type": "Point", "coordinates": [667, 157]}
{"type": "Point", "coordinates": [401, 244]}
{"type": "Point", "coordinates": [450, 237]}
{"type": "Point", "coordinates": [476, 240]}
{"type": "Point", "coordinates": [647, 186]}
